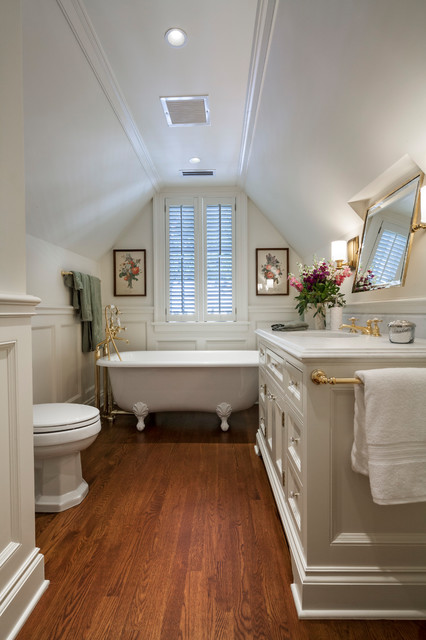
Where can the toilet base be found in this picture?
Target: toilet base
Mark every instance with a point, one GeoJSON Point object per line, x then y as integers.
{"type": "Point", "coordinates": [57, 503]}
{"type": "Point", "coordinates": [59, 483]}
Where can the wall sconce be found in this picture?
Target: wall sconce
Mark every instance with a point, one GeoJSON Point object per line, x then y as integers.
{"type": "Point", "coordinates": [344, 254]}
{"type": "Point", "coordinates": [339, 253]}
{"type": "Point", "coordinates": [422, 223]}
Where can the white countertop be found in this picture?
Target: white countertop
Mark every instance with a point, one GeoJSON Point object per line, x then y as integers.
{"type": "Point", "coordinates": [340, 344]}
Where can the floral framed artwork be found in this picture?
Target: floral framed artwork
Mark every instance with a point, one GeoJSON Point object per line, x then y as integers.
{"type": "Point", "coordinates": [272, 272]}
{"type": "Point", "coordinates": [129, 272]}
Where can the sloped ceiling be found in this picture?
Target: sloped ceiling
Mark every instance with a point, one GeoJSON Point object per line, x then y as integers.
{"type": "Point", "coordinates": [310, 101]}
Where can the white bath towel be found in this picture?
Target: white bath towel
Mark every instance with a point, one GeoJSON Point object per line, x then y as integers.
{"type": "Point", "coordinates": [390, 433]}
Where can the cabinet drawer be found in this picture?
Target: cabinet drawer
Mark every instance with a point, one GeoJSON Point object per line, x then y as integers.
{"type": "Point", "coordinates": [294, 387]}
{"type": "Point", "coordinates": [294, 441]}
{"type": "Point", "coordinates": [275, 365]}
{"type": "Point", "coordinates": [294, 497]}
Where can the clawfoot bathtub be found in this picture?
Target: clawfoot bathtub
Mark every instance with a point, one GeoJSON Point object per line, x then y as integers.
{"type": "Point", "coordinates": [149, 381]}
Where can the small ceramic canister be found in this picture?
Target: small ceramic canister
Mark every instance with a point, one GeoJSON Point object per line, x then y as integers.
{"type": "Point", "coordinates": [401, 331]}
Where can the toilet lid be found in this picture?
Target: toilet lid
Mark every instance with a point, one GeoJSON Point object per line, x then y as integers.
{"type": "Point", "coordinates": [63, 416]}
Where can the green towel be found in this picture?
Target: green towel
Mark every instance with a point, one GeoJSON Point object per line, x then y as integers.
{"type": "Point", "coordinates": [86, 299]}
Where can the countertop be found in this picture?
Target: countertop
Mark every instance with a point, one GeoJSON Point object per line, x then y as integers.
{"type": "Point", "coordinates": [338, 344]}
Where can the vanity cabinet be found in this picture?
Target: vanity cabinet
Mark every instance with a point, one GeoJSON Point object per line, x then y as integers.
{"type": "Point", "coordinates": [350, 557]}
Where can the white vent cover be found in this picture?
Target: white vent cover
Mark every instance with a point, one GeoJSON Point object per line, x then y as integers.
{"type": "Point", "coordinates": [186, 111]}
{"type": "Point", "coordinates": [199, 172]}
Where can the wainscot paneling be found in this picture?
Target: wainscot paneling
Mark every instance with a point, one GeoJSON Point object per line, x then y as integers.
{"type": "Point", "coordinates": [61, 372]}
{"type": "Point", "coordinates": [21, 564]}
{"type": "Point", "coordinates": [143, 333]}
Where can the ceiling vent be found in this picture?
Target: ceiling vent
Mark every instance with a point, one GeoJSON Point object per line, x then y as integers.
{"type": "Point", "coordinates": [186, 111]}
{"type": "Point", "coordinates": [189, 174]}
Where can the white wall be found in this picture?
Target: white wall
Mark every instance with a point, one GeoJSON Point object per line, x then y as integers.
{"type": "Point", "coordinates": [138, 312]}
{"type": "Point", "coordinates": [67, 373]}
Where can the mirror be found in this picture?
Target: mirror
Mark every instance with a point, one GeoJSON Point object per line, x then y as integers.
{"type": "Point", "coordinates": [386, 240]}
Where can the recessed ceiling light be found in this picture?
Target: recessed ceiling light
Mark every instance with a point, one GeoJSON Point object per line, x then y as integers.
{"type": "Point", "coordinates": [176, 37]}
{"type": "Point", "coordinates": [194, 160]}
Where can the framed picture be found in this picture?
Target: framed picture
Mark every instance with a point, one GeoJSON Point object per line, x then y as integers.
{"type": "Point", "coordinates": [129, 272]}
{"type": "Point", "coordinates": [272, 272]}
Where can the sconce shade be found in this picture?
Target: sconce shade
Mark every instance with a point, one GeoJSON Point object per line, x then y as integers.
{"type": "Point", "coordinates": [339, 251]}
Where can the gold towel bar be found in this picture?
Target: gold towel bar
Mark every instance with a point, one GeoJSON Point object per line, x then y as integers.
{"type": "Point", "coordinates": [67, 273]}
{"type": "Point", "coordinates": [319, 377]}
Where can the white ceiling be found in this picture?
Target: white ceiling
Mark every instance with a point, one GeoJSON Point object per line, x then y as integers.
{"type": "Point", "coordinates": [310, 101]}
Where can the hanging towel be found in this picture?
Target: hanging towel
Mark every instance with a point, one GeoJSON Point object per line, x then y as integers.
{"type": "Point", "coordinates": [390, 433]}
{"type": "Point", "coordinates": [86, 299]}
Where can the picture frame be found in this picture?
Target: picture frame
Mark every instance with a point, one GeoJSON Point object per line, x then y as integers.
{"type": "Point", "coordinates": [129, 272]}
{"type": "Point", "coordinates": [272, 272]}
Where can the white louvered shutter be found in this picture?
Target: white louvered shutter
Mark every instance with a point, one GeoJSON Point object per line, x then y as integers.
{"type": "Point", "coordinates": [219, 261]}
{"type": "Point", "coordinates": [181, 262]}
{"type": "Point", "coordinates": [388, 256]}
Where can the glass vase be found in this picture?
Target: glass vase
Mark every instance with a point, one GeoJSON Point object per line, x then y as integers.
{"type": "Point", "coordinates": [319, 317]}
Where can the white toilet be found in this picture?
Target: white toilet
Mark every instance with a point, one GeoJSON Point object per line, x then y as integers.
{"type": "Point", "coordinates": [61, 431]}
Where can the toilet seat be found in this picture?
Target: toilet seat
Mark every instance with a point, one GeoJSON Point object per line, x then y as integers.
{"type": "Point", "coordinates": [51, 417]}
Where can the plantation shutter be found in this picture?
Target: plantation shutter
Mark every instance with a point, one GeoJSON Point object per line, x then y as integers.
{"type": "Point", "coordinates": [387, 261]}
{"type": "Point", "coordinates": [181, 262]}
{"type": "Point", "coordinates": [219, 269]}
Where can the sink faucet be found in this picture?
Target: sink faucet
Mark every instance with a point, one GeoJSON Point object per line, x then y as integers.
{"type": "Point", "coordinates": [368, 330]}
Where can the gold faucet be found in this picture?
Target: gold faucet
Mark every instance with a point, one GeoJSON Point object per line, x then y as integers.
{"type": "Point", "coordinates": [368, 330]}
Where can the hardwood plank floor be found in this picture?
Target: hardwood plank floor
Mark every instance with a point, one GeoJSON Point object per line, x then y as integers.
{"type": "Point", "coordinates": [178, 538]}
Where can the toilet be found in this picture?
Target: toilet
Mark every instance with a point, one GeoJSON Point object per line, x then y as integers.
{"type": "Point", "coordinates": [61, 431]}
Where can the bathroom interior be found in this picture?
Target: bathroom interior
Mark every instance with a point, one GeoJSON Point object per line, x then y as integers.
{"type": "Point", "coordinates": [314, 113]}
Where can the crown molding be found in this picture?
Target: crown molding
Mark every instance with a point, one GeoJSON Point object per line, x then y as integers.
{"type": "Point", "coordinates": [265, 20]}
{"type": "Point", "coordinates": [89, 43]}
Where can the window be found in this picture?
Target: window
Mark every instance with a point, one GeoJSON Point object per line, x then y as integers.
{"type": "Point", "coordinates": [200, 260]}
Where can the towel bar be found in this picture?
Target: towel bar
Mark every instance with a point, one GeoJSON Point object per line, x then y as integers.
{"type": "Point", "coordinates": [66, 273]}
{"type": "Point", "coordinates": [319, 377]}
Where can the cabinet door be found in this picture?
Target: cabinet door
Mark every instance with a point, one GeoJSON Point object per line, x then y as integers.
{"type": "Point", "coordinates": [262, 403]}
{"type": "Point", "coordinates": [275, 426]}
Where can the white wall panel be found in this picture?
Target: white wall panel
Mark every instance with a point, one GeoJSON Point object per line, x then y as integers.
{"type": "Point", "coordinates": [61, 372]}
{"type": "Point", "coordinates": [8, 427]}
{"type": "Point", "coordinates": [44, 386]}
{"type": "Point", "coordinates": [68, 366]}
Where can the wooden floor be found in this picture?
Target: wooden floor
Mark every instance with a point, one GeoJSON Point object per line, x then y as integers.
{"type": "Point", "coordinates": [178, 538]}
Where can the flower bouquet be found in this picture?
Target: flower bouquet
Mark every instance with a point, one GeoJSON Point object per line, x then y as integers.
{"type": "Point", "coordinates": [319, 286]}
{"type": "Point", "coordinates": [129, 270]}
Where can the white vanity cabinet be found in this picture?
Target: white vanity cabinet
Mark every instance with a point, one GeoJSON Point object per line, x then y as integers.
{"type": "Point", "coordinates": [350, 557]}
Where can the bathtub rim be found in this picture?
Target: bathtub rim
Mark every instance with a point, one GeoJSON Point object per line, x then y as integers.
{"type": "Point", "coordinates": [190, 359]}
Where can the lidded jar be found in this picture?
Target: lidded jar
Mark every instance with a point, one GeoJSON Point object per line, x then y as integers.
{"type": "Point", "coordinates": [401, 331]}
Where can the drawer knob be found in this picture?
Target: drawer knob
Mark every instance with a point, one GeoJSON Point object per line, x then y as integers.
{"type": "Point", "coordinates": [271, 396]}
{"type": "Point", "coordinates": [294, 440]}
{"type": "Point", "coordinates": [294, 494]}
{"type": "Point", "coordinates": [293, 383]}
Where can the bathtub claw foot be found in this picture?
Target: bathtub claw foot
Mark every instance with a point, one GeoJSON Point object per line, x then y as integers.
{"type": "Point", "coordinates": [140, 409]}
{"type": "Point", "coordinates": [224, 410]}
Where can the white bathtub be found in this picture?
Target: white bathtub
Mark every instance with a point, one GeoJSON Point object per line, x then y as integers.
{"type": "Point", "coordinates": [149, 381]}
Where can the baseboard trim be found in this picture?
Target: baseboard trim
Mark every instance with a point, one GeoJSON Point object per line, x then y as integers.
{"type": "Point", "coordinates": [22, 596]}
{"type": "Point", "coordinates": [354, 614]}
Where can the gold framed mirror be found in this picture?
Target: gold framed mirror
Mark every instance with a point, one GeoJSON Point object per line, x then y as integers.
{"type": "Point", "coordinates": [386, 239]}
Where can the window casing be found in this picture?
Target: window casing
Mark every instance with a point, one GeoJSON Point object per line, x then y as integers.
{"type": "Point", "coordinates": [200, 259]}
